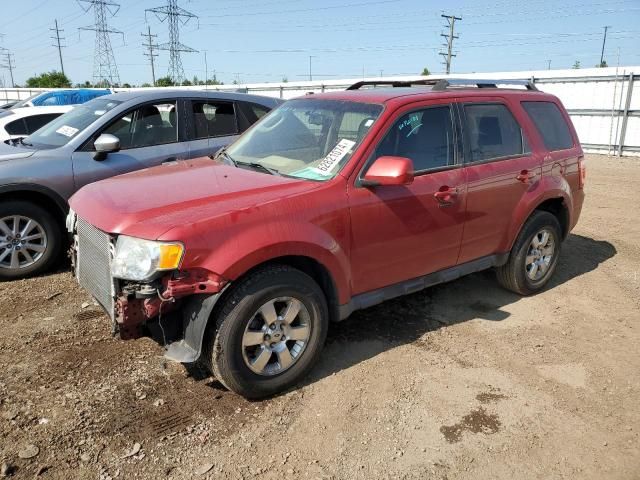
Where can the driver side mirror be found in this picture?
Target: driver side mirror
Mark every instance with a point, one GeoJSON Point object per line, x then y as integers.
{"type": "Point", "coordinates": [104, 144]}
{"type": "Point", "coordinates": [389, 171]}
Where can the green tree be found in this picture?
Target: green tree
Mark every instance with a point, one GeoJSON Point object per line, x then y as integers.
{"type": "Point", "coordinates": [51, 79]}
{"type": "Point", "coordinates": [145, 85]}
{"type": "Point", "coordinates": [602, 64]}
{"type": "Point", "coordinates": [285, 80]}
{"type": "Point", "coordinates": [165, 82]}
{"type": "Point", "coordinates": [425, 71]}
{"type": "Point", "coordinates": [187, 83]}
{"type": "Point", "coordinates": [576, 65]}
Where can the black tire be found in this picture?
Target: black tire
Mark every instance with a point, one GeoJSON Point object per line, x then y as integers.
{"type": "Point", "coordinates": [223, 351]}
{"type": "Point", "coordinates": [513, 275]}
{"type": "Point", "coordinates": [54, 239]}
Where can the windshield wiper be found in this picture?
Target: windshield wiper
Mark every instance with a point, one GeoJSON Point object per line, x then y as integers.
{"type": "Point", "coordinates": [258, 166]}
{"type": "Point", "coordinates": [223, 153]}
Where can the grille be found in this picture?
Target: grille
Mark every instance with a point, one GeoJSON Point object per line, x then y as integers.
{"type": "Point", "coordinates": [93, 267]}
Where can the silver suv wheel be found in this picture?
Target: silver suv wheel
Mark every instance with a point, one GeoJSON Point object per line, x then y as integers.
{"type": "Point", "coordinates": [276, 336]}
{"type": "Point", "coordinates": [23, 242]}
{"type": "Point", "coordinates": [540, 255]}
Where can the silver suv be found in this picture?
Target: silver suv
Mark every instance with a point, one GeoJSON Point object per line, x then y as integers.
{"type": "Point", "coordinates": [107, 136]}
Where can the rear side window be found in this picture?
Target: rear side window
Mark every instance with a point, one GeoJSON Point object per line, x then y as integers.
{"type": "Point", "coordinates": [213, 119]}
{"type": "Point", "coordinates": [492, 132]}
{"type": "Point", "coordinates": [17, 127]}
{"type": "Point", "coordinates": [36, 122]}
{"type": "Point", "coordinates": [551, 124]}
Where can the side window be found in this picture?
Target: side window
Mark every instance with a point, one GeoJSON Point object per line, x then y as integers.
{"type": "Point", "coordinates": [425, 136]}
{"type": "Point", "coordinates": [36, 122]}
{"type": "Point", "coordinates": [152, 124]}
{"type": "Point", "coordinates": [213, 119]}
{"type": "Point", "coordinates": [355, 125]}
{"type": "Point", "coordinates": [551, 124]}
{"type": "Point", "coordinates": [17, 127]}
{"type": "Point", "coordinates": [492, 132]}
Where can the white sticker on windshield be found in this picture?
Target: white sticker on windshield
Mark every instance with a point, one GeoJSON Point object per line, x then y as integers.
{"type": "Point", "coordinates": [334, 156]}
{"type": "Point", "coordinates": [67, 131]}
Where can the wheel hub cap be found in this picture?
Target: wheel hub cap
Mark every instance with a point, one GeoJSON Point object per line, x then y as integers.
{"type": "Point", "coordinates": [540, 255]}
{"type": "Point", "coordinates": [23, 242]}
{"type": "Point", "coordinates": [276, 336]}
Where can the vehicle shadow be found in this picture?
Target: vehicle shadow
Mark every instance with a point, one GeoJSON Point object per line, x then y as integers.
{"type": "Point", "coordinates": [407, 319]}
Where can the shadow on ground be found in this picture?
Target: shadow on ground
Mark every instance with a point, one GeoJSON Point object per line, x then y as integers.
{"type": "Point", "coordinates": [406, 319]}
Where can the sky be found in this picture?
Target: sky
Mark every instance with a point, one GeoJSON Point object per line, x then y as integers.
{"type": "Point", "coordinates": [254, 41]}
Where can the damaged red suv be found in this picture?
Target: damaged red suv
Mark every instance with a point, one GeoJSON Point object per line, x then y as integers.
{"type": "Point", "coordinates": [331, 203]}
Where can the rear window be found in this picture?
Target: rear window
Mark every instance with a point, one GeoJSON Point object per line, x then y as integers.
{"type": "Point", "coordinates": [551, 124]}
{"type": "Point", "coordinates": [493, 132]}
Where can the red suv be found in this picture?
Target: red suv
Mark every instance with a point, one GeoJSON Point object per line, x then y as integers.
{"type": "Point", "coordinates": [331, 203]}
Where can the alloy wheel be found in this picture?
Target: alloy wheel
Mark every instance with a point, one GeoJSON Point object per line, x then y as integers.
{"type": "Point", "coordinates": [23, 241]}
{"type": "Point", "coordinates": [276, 336]}
{"type": "Point", "coordinates": [540, 255]}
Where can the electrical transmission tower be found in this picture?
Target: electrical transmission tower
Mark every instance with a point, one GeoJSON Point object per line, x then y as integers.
{"type": "Point", "coordinates": [10, 63]}
{"type": "Point", "coordinates": [448, 55]}
{"type": "Point", "coordinates": [58, 45]}
{"type": "Point", "coordinates": [175, 16]}
{"type": "Point", "coordinates": [150, 46]}
{"type": "Point", "coordinates": [105, 70]}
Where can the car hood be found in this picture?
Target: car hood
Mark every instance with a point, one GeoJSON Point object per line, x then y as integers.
{"type": "Point", "coordinates": [8, 152]}
{"type": "Point", "coordinates": [148, 203]}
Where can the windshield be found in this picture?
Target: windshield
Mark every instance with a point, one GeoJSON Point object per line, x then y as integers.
{"type": "Point", "coordinates": [307, 138]}
{"type": "Point", "coordinates": [61, 130]}
{"type": "Point", "coordinates": [24, 102]}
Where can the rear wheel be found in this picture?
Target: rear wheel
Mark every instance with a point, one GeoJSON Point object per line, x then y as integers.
{"type": "Point", "coordinates": [269, 332]}
{"type": "Point", "coordinates": [30, 240]}
{"type": "Point", "coordinates": [534, 255]}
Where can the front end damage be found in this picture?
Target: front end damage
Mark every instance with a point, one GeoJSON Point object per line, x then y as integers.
{"type": "Point", "coordinates": [173, 307]}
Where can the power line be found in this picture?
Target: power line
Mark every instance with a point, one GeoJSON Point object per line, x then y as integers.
{"type": "Point", "coordinates": [105, 70]}
{"type": "Point", "coordinates": [451, 21]}
{"type": "Point", "coordinates": [58, 45]}
{"type": "Point", "coordinates": [174, 15]}
{"type": "Point", "coordinates": [150, 46]}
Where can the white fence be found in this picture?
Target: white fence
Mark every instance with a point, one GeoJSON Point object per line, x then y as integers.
{"type": "Point", "coordinates": [602, 102]}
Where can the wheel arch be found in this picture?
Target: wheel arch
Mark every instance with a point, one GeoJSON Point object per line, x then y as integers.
{"type": "Point", "coordinates": [39, 195]}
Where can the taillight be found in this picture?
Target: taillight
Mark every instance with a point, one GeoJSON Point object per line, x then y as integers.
{"type": "Point", "coordinates": [582, 171]}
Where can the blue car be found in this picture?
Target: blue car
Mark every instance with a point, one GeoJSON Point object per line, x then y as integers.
{"type": "Point", "coordinates": [74, 96]}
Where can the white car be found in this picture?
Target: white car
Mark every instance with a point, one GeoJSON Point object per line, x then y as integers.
{"type": "Point", "coordinates": [20, 122]}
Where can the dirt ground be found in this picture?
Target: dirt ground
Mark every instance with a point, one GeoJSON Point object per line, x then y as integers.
{"type": "Point", "coordinates": [462, 381]}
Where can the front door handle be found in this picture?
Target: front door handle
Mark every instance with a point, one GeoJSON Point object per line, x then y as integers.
{"type": "Point", "coordinates": [446, 196]}
{"type": "Point", "coordinates": [525, 176]}
{"type": "Point", "coordinates": [170, 160]}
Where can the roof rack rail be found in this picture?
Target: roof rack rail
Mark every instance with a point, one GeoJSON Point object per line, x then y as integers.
{"type": "Point", "coordinates": [445, 83]}
{"type": "Point", "coordinates": [392, 83]}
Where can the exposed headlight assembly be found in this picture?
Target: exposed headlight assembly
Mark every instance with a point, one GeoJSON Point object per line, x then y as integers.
{"type": "Point", "coordinates": [138, 259]}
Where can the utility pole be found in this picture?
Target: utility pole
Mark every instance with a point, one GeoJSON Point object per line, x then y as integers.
{"type": "Point", "coordinates": [105, 70]}
{"type": "Point", "coordinates": [451, 21]}
{"type": "Point", "coordinates": [150, 46]}
{"type": "Point", "coordinates": [206, 70]}
{"type": "Point", "coordinates": [604, 41]}
{"type": "Point", "coordinates": [58, 45]}
{"type": "Point", "coordinates": [175, 16]}
{"type": "Point", "coordinates": [10, 65]}
{"type": "Point", "coordinates": [310, 77]}
{"type": "Point", "coordinates": [548, 64]}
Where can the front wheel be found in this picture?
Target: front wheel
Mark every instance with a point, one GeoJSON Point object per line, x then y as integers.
{"type": "Point", "coordinates": [534, 255]}
{"type": "Point", "coordinates": [30, 240]}
{"type": "Point", "coordinates": [269, 332]}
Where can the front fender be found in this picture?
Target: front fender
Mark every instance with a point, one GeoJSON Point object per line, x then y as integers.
{"type": "Point", "coordinates": [249, 246]}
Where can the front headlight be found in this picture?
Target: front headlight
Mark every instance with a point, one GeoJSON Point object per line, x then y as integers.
{"type": "Point", "coordinates": [138, 259]}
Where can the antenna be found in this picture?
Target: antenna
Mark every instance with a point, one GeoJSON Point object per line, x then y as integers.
{"type": "Point", "coordinates": [105, 70]}
{"type": "Point", "coordinates": [175, 16]}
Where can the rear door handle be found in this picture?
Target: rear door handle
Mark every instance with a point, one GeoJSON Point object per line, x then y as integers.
{"type": "Point", "coordinates": [525, 175]}
{"type": "Point", "coordinates": [170, 160]}
{"type": "Point", "coordinates": [446, 196]}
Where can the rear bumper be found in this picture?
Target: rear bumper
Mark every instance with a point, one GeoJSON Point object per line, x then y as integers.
{"type": "Point", "coordinates": [578, 200]}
